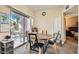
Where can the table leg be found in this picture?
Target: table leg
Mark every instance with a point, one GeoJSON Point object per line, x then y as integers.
{"type": "Point", "coordinates": [45, 48]}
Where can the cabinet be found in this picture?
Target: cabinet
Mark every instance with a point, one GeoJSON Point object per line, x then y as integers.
{"type": "Point", "coordinates": [6, 46]}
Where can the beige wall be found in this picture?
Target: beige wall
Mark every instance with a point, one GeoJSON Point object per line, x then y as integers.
{"type": "Point", "coordinates": [4, 9]}
{"type": "Point", "coordinates": [71, 21]}
{"type": "Point", "coordinates": [46, 22]}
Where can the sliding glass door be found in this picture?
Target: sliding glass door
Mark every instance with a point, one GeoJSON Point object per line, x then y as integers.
{"type": "Point", "coordinates": [19, 26]}
{"type": "Point", "coordinates": [17, 29]}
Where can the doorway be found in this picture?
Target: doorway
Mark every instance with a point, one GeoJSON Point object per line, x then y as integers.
{"type": "Point", "coordinates": [71, 28]}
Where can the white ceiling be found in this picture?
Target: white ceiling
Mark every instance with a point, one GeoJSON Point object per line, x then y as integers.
{"type": "Point", "coordinates": [73, 10]}
{"type": "Point", "coordinates": [44, 7]}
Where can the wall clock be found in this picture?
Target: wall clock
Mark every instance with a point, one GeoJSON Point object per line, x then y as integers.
{"type": "Point", "coordinates": [43, 13]}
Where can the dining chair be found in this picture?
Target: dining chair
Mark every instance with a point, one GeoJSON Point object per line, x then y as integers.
{"type": "Point", "coordinates": [34, 44]}
{"type": "Point", "coordinates": [56, 41]}
{"type": "Point", "coordinates": [35, 29]}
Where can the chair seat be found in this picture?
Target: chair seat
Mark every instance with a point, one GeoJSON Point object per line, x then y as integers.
{"type": "Point", "coordinates": [51, 42]}
{"type": "Point", "coordinates": [57, 43]}
{"type": "Point", "coordinates": [37, 45]}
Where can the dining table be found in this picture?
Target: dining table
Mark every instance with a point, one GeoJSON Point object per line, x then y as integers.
{"type": "Point", "coordinates": [45, 37]}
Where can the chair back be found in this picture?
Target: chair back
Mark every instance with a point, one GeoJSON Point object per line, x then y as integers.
{"type": "Point", "coordinates": [35, 29]}
{"type": "Point", "coordinates": [32, 38]}
{"type": "Point", "coordinates": [57, 37]}
{"type": "Point", "coordinates": [44, 32]}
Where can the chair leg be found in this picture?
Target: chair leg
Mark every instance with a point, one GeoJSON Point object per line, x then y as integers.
{"type": "Point", "coordinates": [43, 50]}
{"type": "Point", "coordinates": [40, 50]}
{"type": "Point", "coordinates": [28, 47]}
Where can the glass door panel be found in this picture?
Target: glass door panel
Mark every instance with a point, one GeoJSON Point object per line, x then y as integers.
{"type": "Point", "coordinates": [17, 29]}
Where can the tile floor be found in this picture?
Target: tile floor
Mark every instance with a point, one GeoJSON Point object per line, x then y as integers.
{"type": "Point", "coordinates": [70, 47]}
